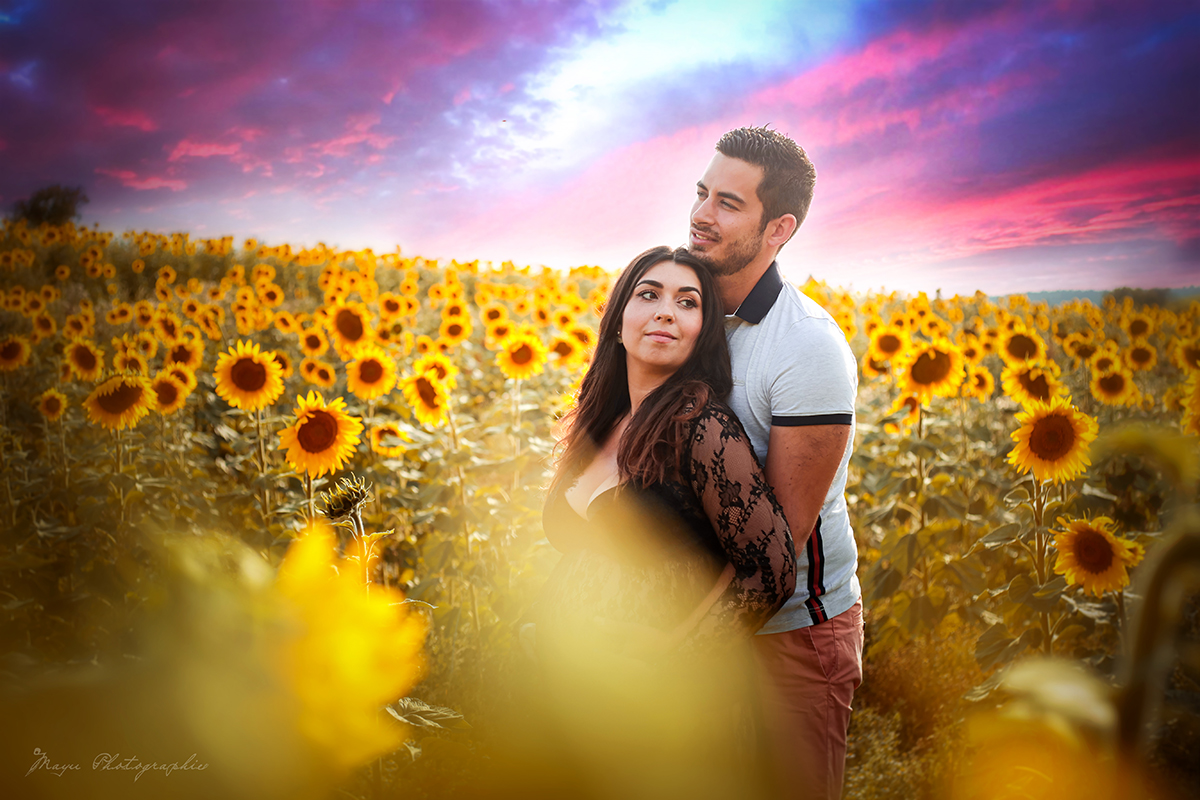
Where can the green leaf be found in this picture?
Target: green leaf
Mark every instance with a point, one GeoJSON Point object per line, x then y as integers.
{"type": "Point", "coordinates": [1005, 534]}
{"type": "Point", "coordinates": [886, 584]}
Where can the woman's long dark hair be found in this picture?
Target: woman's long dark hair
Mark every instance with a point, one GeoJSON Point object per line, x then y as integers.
{"type": "Point", "coordinates": [654, 439]}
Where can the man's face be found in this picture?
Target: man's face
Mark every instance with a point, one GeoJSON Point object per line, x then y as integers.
{"type": "Point", "coordinates": [726, 225]}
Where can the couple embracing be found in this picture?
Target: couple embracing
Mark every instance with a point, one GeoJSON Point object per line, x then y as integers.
{"type": "Point", "coordinates": [708, 558]}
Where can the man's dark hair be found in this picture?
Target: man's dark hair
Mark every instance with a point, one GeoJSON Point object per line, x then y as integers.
{"type": "Point", "coordinates": [788, 175]}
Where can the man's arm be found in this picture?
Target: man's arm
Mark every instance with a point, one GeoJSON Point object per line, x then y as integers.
{"type": "Point", "coordinates": [802, 462]}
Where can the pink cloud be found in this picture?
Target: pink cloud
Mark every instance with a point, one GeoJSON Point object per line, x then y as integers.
{"type": "Point", "coordinates": [358, 132]}
{"type": "Point", "coordinates": [130, 179]}
{"type": "Point", "coordinates": [189, 149]}
{"type": "Point", "coordinates": [129, 119]}
{"type": "Point", "coordinates": [462, 97]}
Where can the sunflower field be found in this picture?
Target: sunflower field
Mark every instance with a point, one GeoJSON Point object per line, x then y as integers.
{"type": "Point", "coordinates": [280, 508]}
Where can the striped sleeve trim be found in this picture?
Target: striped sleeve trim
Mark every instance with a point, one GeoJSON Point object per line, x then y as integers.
{"type": "Point", "coordinates": [812, 419]}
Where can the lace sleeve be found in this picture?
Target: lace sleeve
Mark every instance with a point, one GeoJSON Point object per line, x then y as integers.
{"type": "Point", "coordinates": [750, 525]}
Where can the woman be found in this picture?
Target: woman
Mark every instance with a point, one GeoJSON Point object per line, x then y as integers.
{"type": "Point", "coordinates": [674, 548]}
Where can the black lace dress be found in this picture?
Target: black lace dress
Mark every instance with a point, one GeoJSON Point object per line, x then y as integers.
{"type": "Point", "coordinates": [650, 556]}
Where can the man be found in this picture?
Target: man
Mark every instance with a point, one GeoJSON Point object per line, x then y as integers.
{"type": "Point", "coordinates": [795, 381]}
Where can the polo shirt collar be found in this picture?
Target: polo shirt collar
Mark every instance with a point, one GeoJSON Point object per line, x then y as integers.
{"type": "Point", "coordinates": [762, 296]}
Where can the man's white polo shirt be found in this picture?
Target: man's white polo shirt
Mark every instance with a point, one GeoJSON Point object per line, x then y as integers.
{"type": "Point", "coordinates": [792, 366]}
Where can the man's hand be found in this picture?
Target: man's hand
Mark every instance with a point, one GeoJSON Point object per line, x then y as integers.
{"type": "Point", "coordinates": [802, 462]}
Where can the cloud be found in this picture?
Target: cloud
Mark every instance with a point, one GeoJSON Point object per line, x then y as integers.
{"type": "Point", "coordinates": [130, 119]}
{"type": "Point", "coordinates": [131, 179]}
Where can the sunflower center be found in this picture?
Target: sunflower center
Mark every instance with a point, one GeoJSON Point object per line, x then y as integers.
{"type": "Point", "coordinates": [1093, 552]}
{"type": "Point", "coordinates": [522, 355]}
{"type": "Point", "coordinates": [1038, 388]}
{"type": "Point", "coordinates": [318, 433]}
{"type": "Point", "coordinates": [454, 330]}
{"type": "Point", "coordinates": [167, 393]}
{"type": "Point", "coordinates": [349, 325]}
{"type": "Point", "coordinates": [84, 358]}
{"type": "Point", "coordinates": [1053, 437]}
{"type": "Point", "coordinates": [1022, 347]}
{"type": "Point", "coordinates": [370, 371]}
{"type": "Point", "coordinates": [125, 397]}
{"type": "Point", "coordinates": [563, 349]}
{"type": "Point", "coordinates": [1084, 350]}
{"type": "Point", "coordinates": [1112, 384]}
{"type": "Point", "coordinates": [44, 323]}
{"type": "Point", "coordinates": [168, 328]}
{"type": "Point", "coordinates": [492, 314]}
{"type": "Point", "coordinates": [980, 381]}
{"type": "Point", "coordinates": [931, 367]}
{"type": "Point", "coordinates": [441, 371]}
{"type": "Point", "coordinates": [53, 405]}
{"type": "Point", "coordinates": [10, 351]}
{"type": "Point", "coordinates": [1191, 356]}
{"type": "Point", "coordinates": [1140, 355]}
{"type": "Point", "coordinates": [391, 305]}
{"type": "Point", "coordinates": [248, 375]}
{"type": "Point", "coordinates": [1138, 327]}
{"type": "Point", "coordinates": [427, 393]}
{"type": "Point", "coordinates": [889, 343]}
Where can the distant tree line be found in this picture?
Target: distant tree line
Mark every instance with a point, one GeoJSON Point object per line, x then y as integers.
{"type": "Point", "coordinates": [53, 205]}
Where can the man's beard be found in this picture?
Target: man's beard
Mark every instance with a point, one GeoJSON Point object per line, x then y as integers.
{"type": "Point", "coordinates": [738, 257]}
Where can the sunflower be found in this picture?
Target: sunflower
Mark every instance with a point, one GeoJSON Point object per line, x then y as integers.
{"type": "Point", "coordinates": [85, 360]}
{"type": "Point", "coordinates": [313, 342]}
{"type": "Point", "coordinates": [1053, 440]}
{"type": "Point", "coordinates": [120, 314]}
{"type": "Point", "coordinates": [1030, 382]}
{"type": "Point", "coordinates": [120, 402]}
{"type": "Point", "coordinates": [372, 374]}
{"type": "Point", "coordinates": [44, 325]}
{"type": "Point", "coordinates": [14, 353]}
{"type": "Point", "coordinates": [143, 313]}
{"type": "Point", "coordinates": [349, 323]}
{"type": "Point", "coordinates": [285, 363]}
{"type": "Point", "coordinates": [522, 356]}
{"type": "Point", "coordinates": [167, 325]}
{"type": "Point", "coordinates": [52, 403]}
{"type": "Point", "coordinates": [887, 342]}
{"type": "Point", "coordinates": [567, 351]}
{"type": "Point", "coordinates": [1080, 347]}
{"type": "Point", "coordinates": [130, 361]}
{"type": "Point", "coordinates": [1138, 325]}
{"type": "Point", "coordinates": [493, 312]}
{"type": "Point", "coordinates": [189, 354]}
{"type": "Point", "coordinates": [170, 393]}
{"type": "Point", "coordinates": [443, 368]}
{"type": "Point", "coordinates": [979, 383]}
{"type": "Point", "coordinates": [1191, 406]}
{"type": "Point", "coordinates": [971, 348]}
{"type": "Point", "coordinates": [248, 378]}
{"type": "Point", "coordinates": [427, 396]}
{"type": "Point", "coordinates": [381, 435]}
{"type": "Point", "coordinates": [1090, 555]}
{"type": "Point", "coordinates": [145, 343]}
{"type": "Point", "coordinates": [1141, 356]}
{"type": "Point", "coordinates": [454, 329]}
{"type": "Point", "coordinates": [1186, 355]}
{"type": "Point", "coordinates": [910, 404]}
{"type": "Point", "coordinates": [932, 370]}
{"type": "Point", "coordinates": [1020, 345]}
{"type": "Point", "coordinates": [1114, 388]}
{"type": "Point", "coordinates": [318, 372]}
{"type": "Point", "coordinates": [186, 376]}
{"type": "Point", "coordinates": [873, 368]}
{"type": "Point", "coordinates": [323, 437]}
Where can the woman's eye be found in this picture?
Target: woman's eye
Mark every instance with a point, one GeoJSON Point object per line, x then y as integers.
{"type": "Point", "coordinates": [688, 302]}
{"type": "Point", "coordinates": [647, 295]}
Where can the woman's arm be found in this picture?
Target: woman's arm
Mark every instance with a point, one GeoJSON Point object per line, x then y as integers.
{"type": "Point", "coordinates": [751, 529]}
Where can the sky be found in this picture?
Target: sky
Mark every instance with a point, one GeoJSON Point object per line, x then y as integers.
{"type": "Point", "coordinates": [1003, 147]}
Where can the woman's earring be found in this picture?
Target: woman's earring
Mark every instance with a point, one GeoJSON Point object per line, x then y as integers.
{"type": "Point", "coordinates": [619, 339]}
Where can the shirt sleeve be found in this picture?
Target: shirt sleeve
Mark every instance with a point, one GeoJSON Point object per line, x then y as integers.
{"type": "Point", "coordinates": [750, 526]}
{"type": "Point", "coordinates": [816, 378]}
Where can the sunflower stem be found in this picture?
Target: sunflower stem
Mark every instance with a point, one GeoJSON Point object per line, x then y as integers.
{"type": "Point", "coordinates": [120, 470]}
{"type": "Point", "coordinates": [308, 493]}
{"type": "Point", "coordinates": [264, 496]}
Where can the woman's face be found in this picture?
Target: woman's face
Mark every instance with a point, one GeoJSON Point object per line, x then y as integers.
{"type": "Point", "coordinates": [663, 318]}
